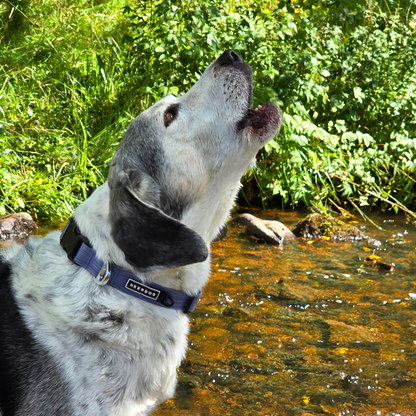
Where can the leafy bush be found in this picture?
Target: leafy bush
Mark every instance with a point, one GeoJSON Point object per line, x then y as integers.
{"type": "Point", "coordinates": [342, 72]}
{"type": "Point", "coordinates": [350, 102]}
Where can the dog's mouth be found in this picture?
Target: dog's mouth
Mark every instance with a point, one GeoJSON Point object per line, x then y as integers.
{"type": "Point", "coordinates": [264, 117]}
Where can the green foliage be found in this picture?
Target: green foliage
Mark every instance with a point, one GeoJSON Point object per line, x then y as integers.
{"type": "Point", "coordinates": [350, 102]}
{"type": "Point", "coordinates": [61, 107]}
{"type": "Point", "coordinates": [74, 73]}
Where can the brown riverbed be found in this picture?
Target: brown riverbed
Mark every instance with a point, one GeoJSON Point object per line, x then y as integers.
{"type": "Point", "coordinates": [307, 328]}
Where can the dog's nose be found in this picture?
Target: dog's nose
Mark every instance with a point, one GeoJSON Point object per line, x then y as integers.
{"type": "Point", "coordinates": [229, 57]}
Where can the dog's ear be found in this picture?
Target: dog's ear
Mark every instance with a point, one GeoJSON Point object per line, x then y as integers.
{"type": "Point", "coordinates": [149, 238]}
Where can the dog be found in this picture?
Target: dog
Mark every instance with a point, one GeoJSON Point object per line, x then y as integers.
{"type": "Point", "coordinates": [94, 321]}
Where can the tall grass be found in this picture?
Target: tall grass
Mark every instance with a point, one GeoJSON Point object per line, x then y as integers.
{"type": "Point", "coordinates": [64, 102]}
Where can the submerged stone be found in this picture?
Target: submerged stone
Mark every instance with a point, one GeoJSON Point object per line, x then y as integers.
{"type": "Point", "coordinates": [238, 313]}
{"type": "Point", "coordinates": [292, 290]}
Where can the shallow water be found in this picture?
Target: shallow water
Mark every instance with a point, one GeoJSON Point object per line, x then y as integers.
{"type": "Point", "coordinates": [307, 328]}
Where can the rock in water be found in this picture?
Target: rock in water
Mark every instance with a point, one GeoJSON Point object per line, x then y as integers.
{"type": "Point", "coordinates": [272, 232]}
{"type": "Point", "coordinates": [280, 229]}
{"type": "Point", "coordinates": [321, 225]}
{"type": "Point", "coordinates": [17, 226]}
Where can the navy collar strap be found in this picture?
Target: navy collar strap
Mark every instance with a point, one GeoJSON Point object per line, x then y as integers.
{"type": "Point", "coordinates": [79, 251]}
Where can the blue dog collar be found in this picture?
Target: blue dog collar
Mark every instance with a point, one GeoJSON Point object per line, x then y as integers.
{"type": "Point", "coordinates": [80, 252]}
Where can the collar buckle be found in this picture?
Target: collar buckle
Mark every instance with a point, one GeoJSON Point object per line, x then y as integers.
{"type": "Point", "coordinates": [72, 239]}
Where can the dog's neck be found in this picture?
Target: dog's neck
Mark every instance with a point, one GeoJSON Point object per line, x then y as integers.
{"type": "Point", "coordinates": [206, 217]}
{"type": "Point", "coordinates": [92, 217]}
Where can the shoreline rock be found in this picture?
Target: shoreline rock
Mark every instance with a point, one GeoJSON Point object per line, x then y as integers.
{"type": "Point", "coordinates": [316, 225]}
{"type": "Point", "coordinates": [17, 226]}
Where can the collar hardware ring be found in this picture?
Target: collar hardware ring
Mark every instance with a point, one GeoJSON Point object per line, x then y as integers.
{"type": "Point", "coordinates": [103, 275]}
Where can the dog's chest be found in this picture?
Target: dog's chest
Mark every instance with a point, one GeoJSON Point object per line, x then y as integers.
{"type": "Point", "coordinates": [125, 384]}
{"type": "Point", "coordinates": [129, 378]}
{"type": "Point", "coordinates": [117, 356]}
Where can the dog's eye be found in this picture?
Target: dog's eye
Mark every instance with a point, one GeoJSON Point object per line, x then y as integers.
{"type": "Point", "coordinates": [170, 114]}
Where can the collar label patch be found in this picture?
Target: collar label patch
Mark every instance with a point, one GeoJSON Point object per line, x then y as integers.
{"type": "Point", "coordinates": [142, 289]}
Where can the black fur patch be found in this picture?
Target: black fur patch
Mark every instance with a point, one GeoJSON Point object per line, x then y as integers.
{"type": "Point", "coordinates": [150, 239]}
{"type": "Point", "coordinates": [116, 318]}
{"type": "Point", "coordinates": [31, 297]}
{"type": "Point", "coordinates": [27, 371]}
{"type": "Point", "coordinates": [136, 154]}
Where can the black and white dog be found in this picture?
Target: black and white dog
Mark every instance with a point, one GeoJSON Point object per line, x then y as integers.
{"type": "Point", "coordinates": [94, 322]}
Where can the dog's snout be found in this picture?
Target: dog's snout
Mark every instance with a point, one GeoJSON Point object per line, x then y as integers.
{"type": "Point", "coordinates": [229, 57]}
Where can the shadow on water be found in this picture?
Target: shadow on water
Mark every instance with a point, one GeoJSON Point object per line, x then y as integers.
{"type": "Point", "coordinates": [307, 328]}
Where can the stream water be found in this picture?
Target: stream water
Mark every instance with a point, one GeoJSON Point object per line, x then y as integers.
{"type": "Point", "coordinates": [306, 328]}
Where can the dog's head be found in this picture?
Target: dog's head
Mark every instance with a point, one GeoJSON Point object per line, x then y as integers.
{"type": "Point", "coordinates": [182, 151]}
